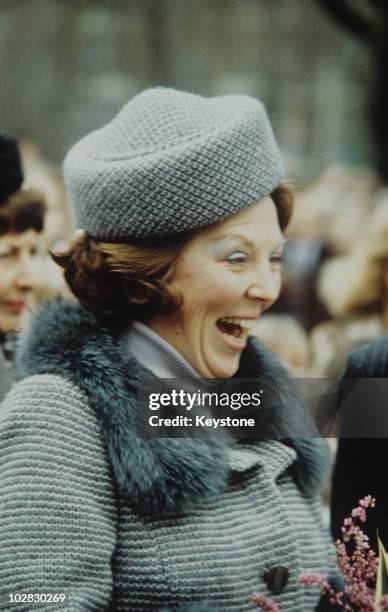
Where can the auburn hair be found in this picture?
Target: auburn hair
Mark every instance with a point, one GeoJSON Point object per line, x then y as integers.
{"type": "Point", "coordinates": [123, 281]}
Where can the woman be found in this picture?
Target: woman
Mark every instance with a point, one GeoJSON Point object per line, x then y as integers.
{"type": "Point", "coordinates": [176, 255]}
{"type": "Point", "coordinates": [21, 221]}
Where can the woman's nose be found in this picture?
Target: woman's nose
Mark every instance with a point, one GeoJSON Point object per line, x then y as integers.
{"type": "Point", "coordinates": [26, 274]}
{"type": "Point", "coordinates": [265, 287]}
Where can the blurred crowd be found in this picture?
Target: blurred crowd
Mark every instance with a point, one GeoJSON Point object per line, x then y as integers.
{"type": "Point", "coordinates": [335, 291]}
{"type": "Point", "coordinates": [335, 287]}
{"type": "Point", "coordinates": [335, 268]}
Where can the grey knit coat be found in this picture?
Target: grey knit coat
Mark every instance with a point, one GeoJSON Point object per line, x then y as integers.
{"type": "Point", "coordinates": [6, 375]}
{"type": "Point", "coordinates": [116, 522]}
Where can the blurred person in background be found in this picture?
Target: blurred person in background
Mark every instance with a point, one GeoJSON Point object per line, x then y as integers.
{"type": "Point", "coordinates": [329, 217]}
{"type": "Point", "coordinates": [360, 462]}
{"type": "Point", "coordinates": [331, 342]}
{"type": "Point", "coordinates": [354, 289]}
{"type": "Point", "coordinates": [21, 224]}
{"type": "Point", "coordinates": [285, 336]}
{"type": "Point", "coordinates": [42, 176]}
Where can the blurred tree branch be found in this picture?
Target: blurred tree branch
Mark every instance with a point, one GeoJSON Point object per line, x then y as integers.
{"type": "Point", "coordinates": [371, 27]}
{"type": "Point", "coordinates": [349, 18]}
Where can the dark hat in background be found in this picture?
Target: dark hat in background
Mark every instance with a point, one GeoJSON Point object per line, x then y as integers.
{"type": "Point", "coordinates": [11, 173]}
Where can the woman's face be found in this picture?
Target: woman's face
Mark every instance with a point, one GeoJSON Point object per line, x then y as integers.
{"type": "Point", "coordinates": [228, 274]}
{"type": "Point", "coordinates": [18, 254]}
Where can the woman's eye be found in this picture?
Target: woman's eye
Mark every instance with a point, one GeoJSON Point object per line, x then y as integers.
{"type": "Point", "coordinates": [238, 257]}
{"type": "Point", "coordinates": [276, 258]}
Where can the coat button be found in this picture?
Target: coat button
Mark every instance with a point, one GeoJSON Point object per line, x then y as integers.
{"type": "Point", "coordinates": [276, 578]}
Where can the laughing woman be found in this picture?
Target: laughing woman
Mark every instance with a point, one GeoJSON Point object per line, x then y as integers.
{"type": "Point", "coordinates": [181, 210]}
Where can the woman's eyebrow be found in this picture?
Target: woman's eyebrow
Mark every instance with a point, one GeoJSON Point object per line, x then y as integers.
{"type": "Point", "coordinates": [249, 243]}
{"type": "Point", "coordinates": [233, 238]}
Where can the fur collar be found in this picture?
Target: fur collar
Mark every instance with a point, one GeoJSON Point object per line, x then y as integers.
{"type": "Point", "coordinates": [161, 475]}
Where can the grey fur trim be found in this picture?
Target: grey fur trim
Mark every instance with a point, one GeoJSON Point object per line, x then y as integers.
{"type": "Point", "coordinates": [160, 475]}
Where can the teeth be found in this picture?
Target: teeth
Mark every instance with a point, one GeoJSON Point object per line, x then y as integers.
{"type": "Point", "coordinates": [245, 323]}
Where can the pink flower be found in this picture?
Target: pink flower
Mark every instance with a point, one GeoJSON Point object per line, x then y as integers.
{"type": "Point", "coordinates": [356, 561]}
{"type": "Point", "coordinates": [263, 602]}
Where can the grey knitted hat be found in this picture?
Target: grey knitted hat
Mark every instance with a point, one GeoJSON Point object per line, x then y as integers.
{"type": "Point", "coordinates": [171, 161]}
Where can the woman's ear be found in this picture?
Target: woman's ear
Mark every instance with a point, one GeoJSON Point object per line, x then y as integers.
{"type": "Point", "coordinates": [168, 278]}
{"type": "Point", "coordinates": [139, 293]}
{"type": "Point", "coordinates": [139, 300]}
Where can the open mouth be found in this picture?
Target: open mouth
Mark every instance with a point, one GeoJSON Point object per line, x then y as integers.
{"type": "Point", "coordinates": [237, 328]}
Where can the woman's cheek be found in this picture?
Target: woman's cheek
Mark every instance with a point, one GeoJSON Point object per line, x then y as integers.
{"type": "Point", "coordinates": [226, 289]}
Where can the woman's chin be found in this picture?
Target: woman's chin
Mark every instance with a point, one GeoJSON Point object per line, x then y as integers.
{"type": "Point", "coordinates": [224, 368]}
{"type": "Point", "coordinates": [10, 323]}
